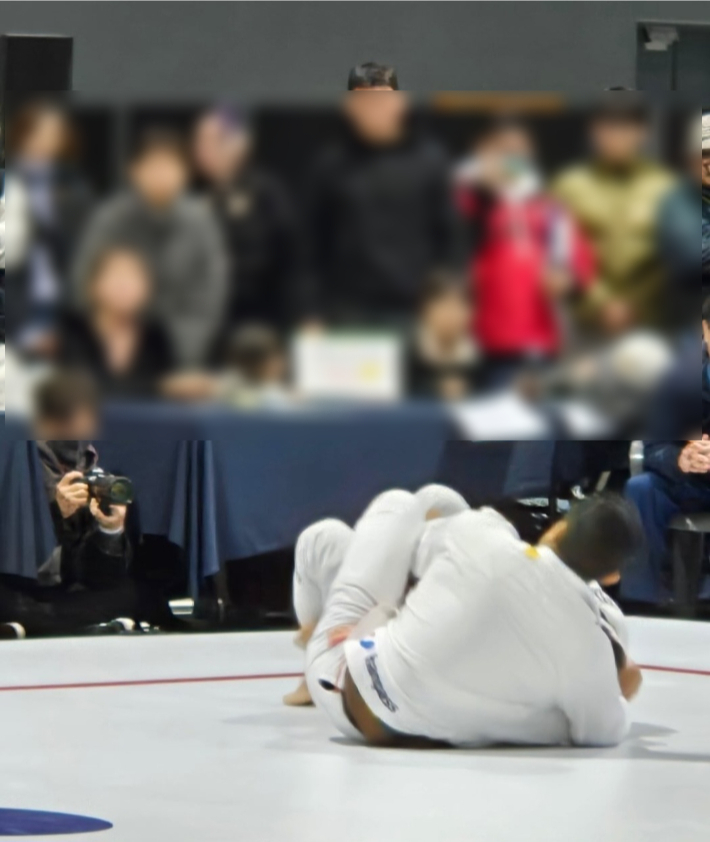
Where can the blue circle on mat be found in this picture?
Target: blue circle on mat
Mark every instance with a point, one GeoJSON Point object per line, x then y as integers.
{"type": "Point", "coordinates": [40, 823]}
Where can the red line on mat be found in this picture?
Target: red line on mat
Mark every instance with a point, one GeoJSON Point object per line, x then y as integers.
{"type": "Point", "coordinates": [147, 682]}
{"type": "Point", "coordinates": [86, 685]}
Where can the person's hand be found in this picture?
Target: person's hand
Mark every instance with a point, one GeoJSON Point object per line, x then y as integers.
{"type": "Point", "coordinates": [111, 523]}
{"type": "Point", "coordinates": [695, 457]}
{"type": "Point", "coordinates": [616, 316]}
{"type": "Point", "coordinates": [557, 281]}
{"type": "Point", "coordinates": [630, 680]}
{"type": "Point", "coordinates": [70, 495]}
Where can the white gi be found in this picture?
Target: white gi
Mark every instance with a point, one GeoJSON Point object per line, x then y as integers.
{"type": "Point", "coordinates": [499, 642]}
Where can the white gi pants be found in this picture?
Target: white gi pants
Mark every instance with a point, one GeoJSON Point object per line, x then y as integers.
{"type": "Point", "coordinates": [358, 577]}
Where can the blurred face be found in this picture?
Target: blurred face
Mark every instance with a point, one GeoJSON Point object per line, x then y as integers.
{"type": "Point", "coordinates": [122, 286]}
{"type": "Point", "coordinates": [160, 176]}
{"type": "Point", "coordinates": [706, 335]}
{"type": "Point", "coordinates": [377, 114]}
{"type": "Point", "coordinates": [705, 169]}
{"type": "Point", "coordinates": [513, 152]}
{"type": "Point", "coordinates": [46, 141]}
{"type": "Point", "coordinates": [618, 141]}
{"type": "Point", "coordinates": [447, 316]}
{"type": "Point", "coordinates": [82, 426]}
{"type": "Point", "coordinates": [218, 150]}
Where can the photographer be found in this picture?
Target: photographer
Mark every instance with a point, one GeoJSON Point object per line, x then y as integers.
{"type": "Point", "coordinates": [87, 580]}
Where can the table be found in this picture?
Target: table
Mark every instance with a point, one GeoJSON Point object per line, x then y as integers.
{"type": "Point", "coordinates": [225, 485]}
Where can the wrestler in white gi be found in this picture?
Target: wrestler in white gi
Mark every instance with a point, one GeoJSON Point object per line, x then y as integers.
{"type": "Point", "coordinates": [320, 551]}
{"type": "Point", "coordinates": [499, 641]}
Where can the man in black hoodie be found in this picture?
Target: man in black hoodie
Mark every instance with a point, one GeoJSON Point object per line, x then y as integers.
{"type": "Point", "coordinates": [381, 216]}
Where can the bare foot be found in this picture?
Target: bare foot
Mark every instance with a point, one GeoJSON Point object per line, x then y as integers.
{"type": "Point", "coordinates": [300, 697]}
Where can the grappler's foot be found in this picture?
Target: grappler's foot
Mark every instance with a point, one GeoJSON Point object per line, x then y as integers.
{"type": "Point", "coordinates": [300, 697]}
{"type": "Point", "coordinates": [12, 631]}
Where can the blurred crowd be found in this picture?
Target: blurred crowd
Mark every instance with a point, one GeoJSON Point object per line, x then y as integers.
{"type": "Point", "coordinates": [194, 279]}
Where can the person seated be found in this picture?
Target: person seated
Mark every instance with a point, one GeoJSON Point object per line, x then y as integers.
{"type": "Point", "coordinates": [88, 579]}
{"type": "Point", "coordinates": [113, 336]}
{"type": "Point", "coordinates": [498, 640]}
{"type": "Point", "coordinates": [253, 374]}
{"type": "Point", "coordinates": [442, 356]}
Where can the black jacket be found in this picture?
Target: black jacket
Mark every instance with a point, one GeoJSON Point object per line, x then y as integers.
{"type": "Point", "coordinates": [258, 224]}
{"type": "Point", "coordinates": [79, 348]}
{"type": "Point", "coordinates": [88, 557]}
{"type": "Point", "coordinates": [380, 219]}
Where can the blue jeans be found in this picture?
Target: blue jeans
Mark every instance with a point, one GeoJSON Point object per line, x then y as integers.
{"type": "Point", "coordinates": [658, 501]}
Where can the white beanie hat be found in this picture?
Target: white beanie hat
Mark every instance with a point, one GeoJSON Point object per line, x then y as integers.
{"type": "Point", "coordinates": [705, 132]}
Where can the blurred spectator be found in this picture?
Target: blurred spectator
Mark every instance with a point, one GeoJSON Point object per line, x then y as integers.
{"type": "Point", "coordinates": [679, 232]}
{"type": "Point", "coordinates": [43, 148]}
{"type": "Point", "coordinates": [256, 217]}
{"type": "Point", "coordinates": [113, 337]}
{"type": "Point", "coordinates": [616, 198]}
{"type": "Point", "coordinates": [706, 367]}
{"type": "Point", "coordinates": [256, 368]}
{"type": "Point", "coordinates": [676, 479]}
{"type": "Point", "coordinates": [381, 216]}
{"type": "Point", "coordinates": [527, 254]}
{"type": "Point", "coordinates": [705, 177]}
{"type": "Point", "coordinates": [2, 290]}
{"type": "Point", "coordinates": [177, 233]}
{"type": "Point", "coordinates": [253, 374]}
{"type": "Point", "coordinates": [676, 474]}
{"type": "Point", "coordinates": [443, 359]}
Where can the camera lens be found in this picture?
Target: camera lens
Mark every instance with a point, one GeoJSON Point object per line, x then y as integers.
{"type": "Point", "coordinates": [121, 491]}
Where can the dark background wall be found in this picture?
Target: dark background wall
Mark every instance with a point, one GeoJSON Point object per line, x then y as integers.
{"type": "Point", "coordinates": [275, 50]}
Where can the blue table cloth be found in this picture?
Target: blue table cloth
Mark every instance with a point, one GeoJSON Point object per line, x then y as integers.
{"type": "Point", "coordinates": [225, 485]}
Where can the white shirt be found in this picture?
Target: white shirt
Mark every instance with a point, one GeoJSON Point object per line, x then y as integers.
{"type": "Point", "coordinates": [499, 642]}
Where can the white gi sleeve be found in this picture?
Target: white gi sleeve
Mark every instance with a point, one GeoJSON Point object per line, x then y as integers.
{"type": "Point", "coordinates": [613, 619]}
{"type": "Point", "coordinates": [592, 700]}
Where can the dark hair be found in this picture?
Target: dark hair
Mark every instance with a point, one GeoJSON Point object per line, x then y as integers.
{"type": "Point", "coordinates": [603, 533]}
{"type": "Point", "coordinates": [500, 124]}
{"type": "Point", "coordinates": [62, 394]}
{"type": "Point", "coordinates": [160, 139]}
{"type": "Point", "coordinates": [621, 106]}
{"type": "Point", "coordinates": [706, 310]}
{"type": "Point", "coordinates": [250, 348]}
{"type": "Point", "coordinates": [372, 75]}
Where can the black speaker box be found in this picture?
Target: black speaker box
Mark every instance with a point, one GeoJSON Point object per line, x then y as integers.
{"type": "Point", "coordinates": [36, 62]}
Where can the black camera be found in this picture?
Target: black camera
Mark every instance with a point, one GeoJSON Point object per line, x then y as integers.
{"type": "Point", "coordinates": [108, 489]}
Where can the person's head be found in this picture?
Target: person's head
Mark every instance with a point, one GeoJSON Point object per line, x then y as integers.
{"type": "Point", "coordinates": [159, 169]}
{"type": "Point", "coordinates": [256, 354]}
{"type": "Point", "coordinates": [120, 283]}
{"type": "Point", "coordinates": [508, 139]}
{"type": "Point", "coordinates": [444, 310]}
{"type": "Point", "coordinates": [66, 407]}
{"type": "Point", "coordinates": [705, 150]}
{"type": "Point", "coordinates": [619, 128]}
{"type": "Point", "coordinates": [42, 132]}
{"type": "Point", "coordinates": [598, 537]}
{"type": "Point", "coordinates": [374, 105]}
{"type": "Point", "coordinates": [706, 323]}
{"type": "Point", "coordinates": [221, 144]}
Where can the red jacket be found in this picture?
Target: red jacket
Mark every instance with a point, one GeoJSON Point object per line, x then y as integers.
{"type": "Point", "coordinates": [516, 241]}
